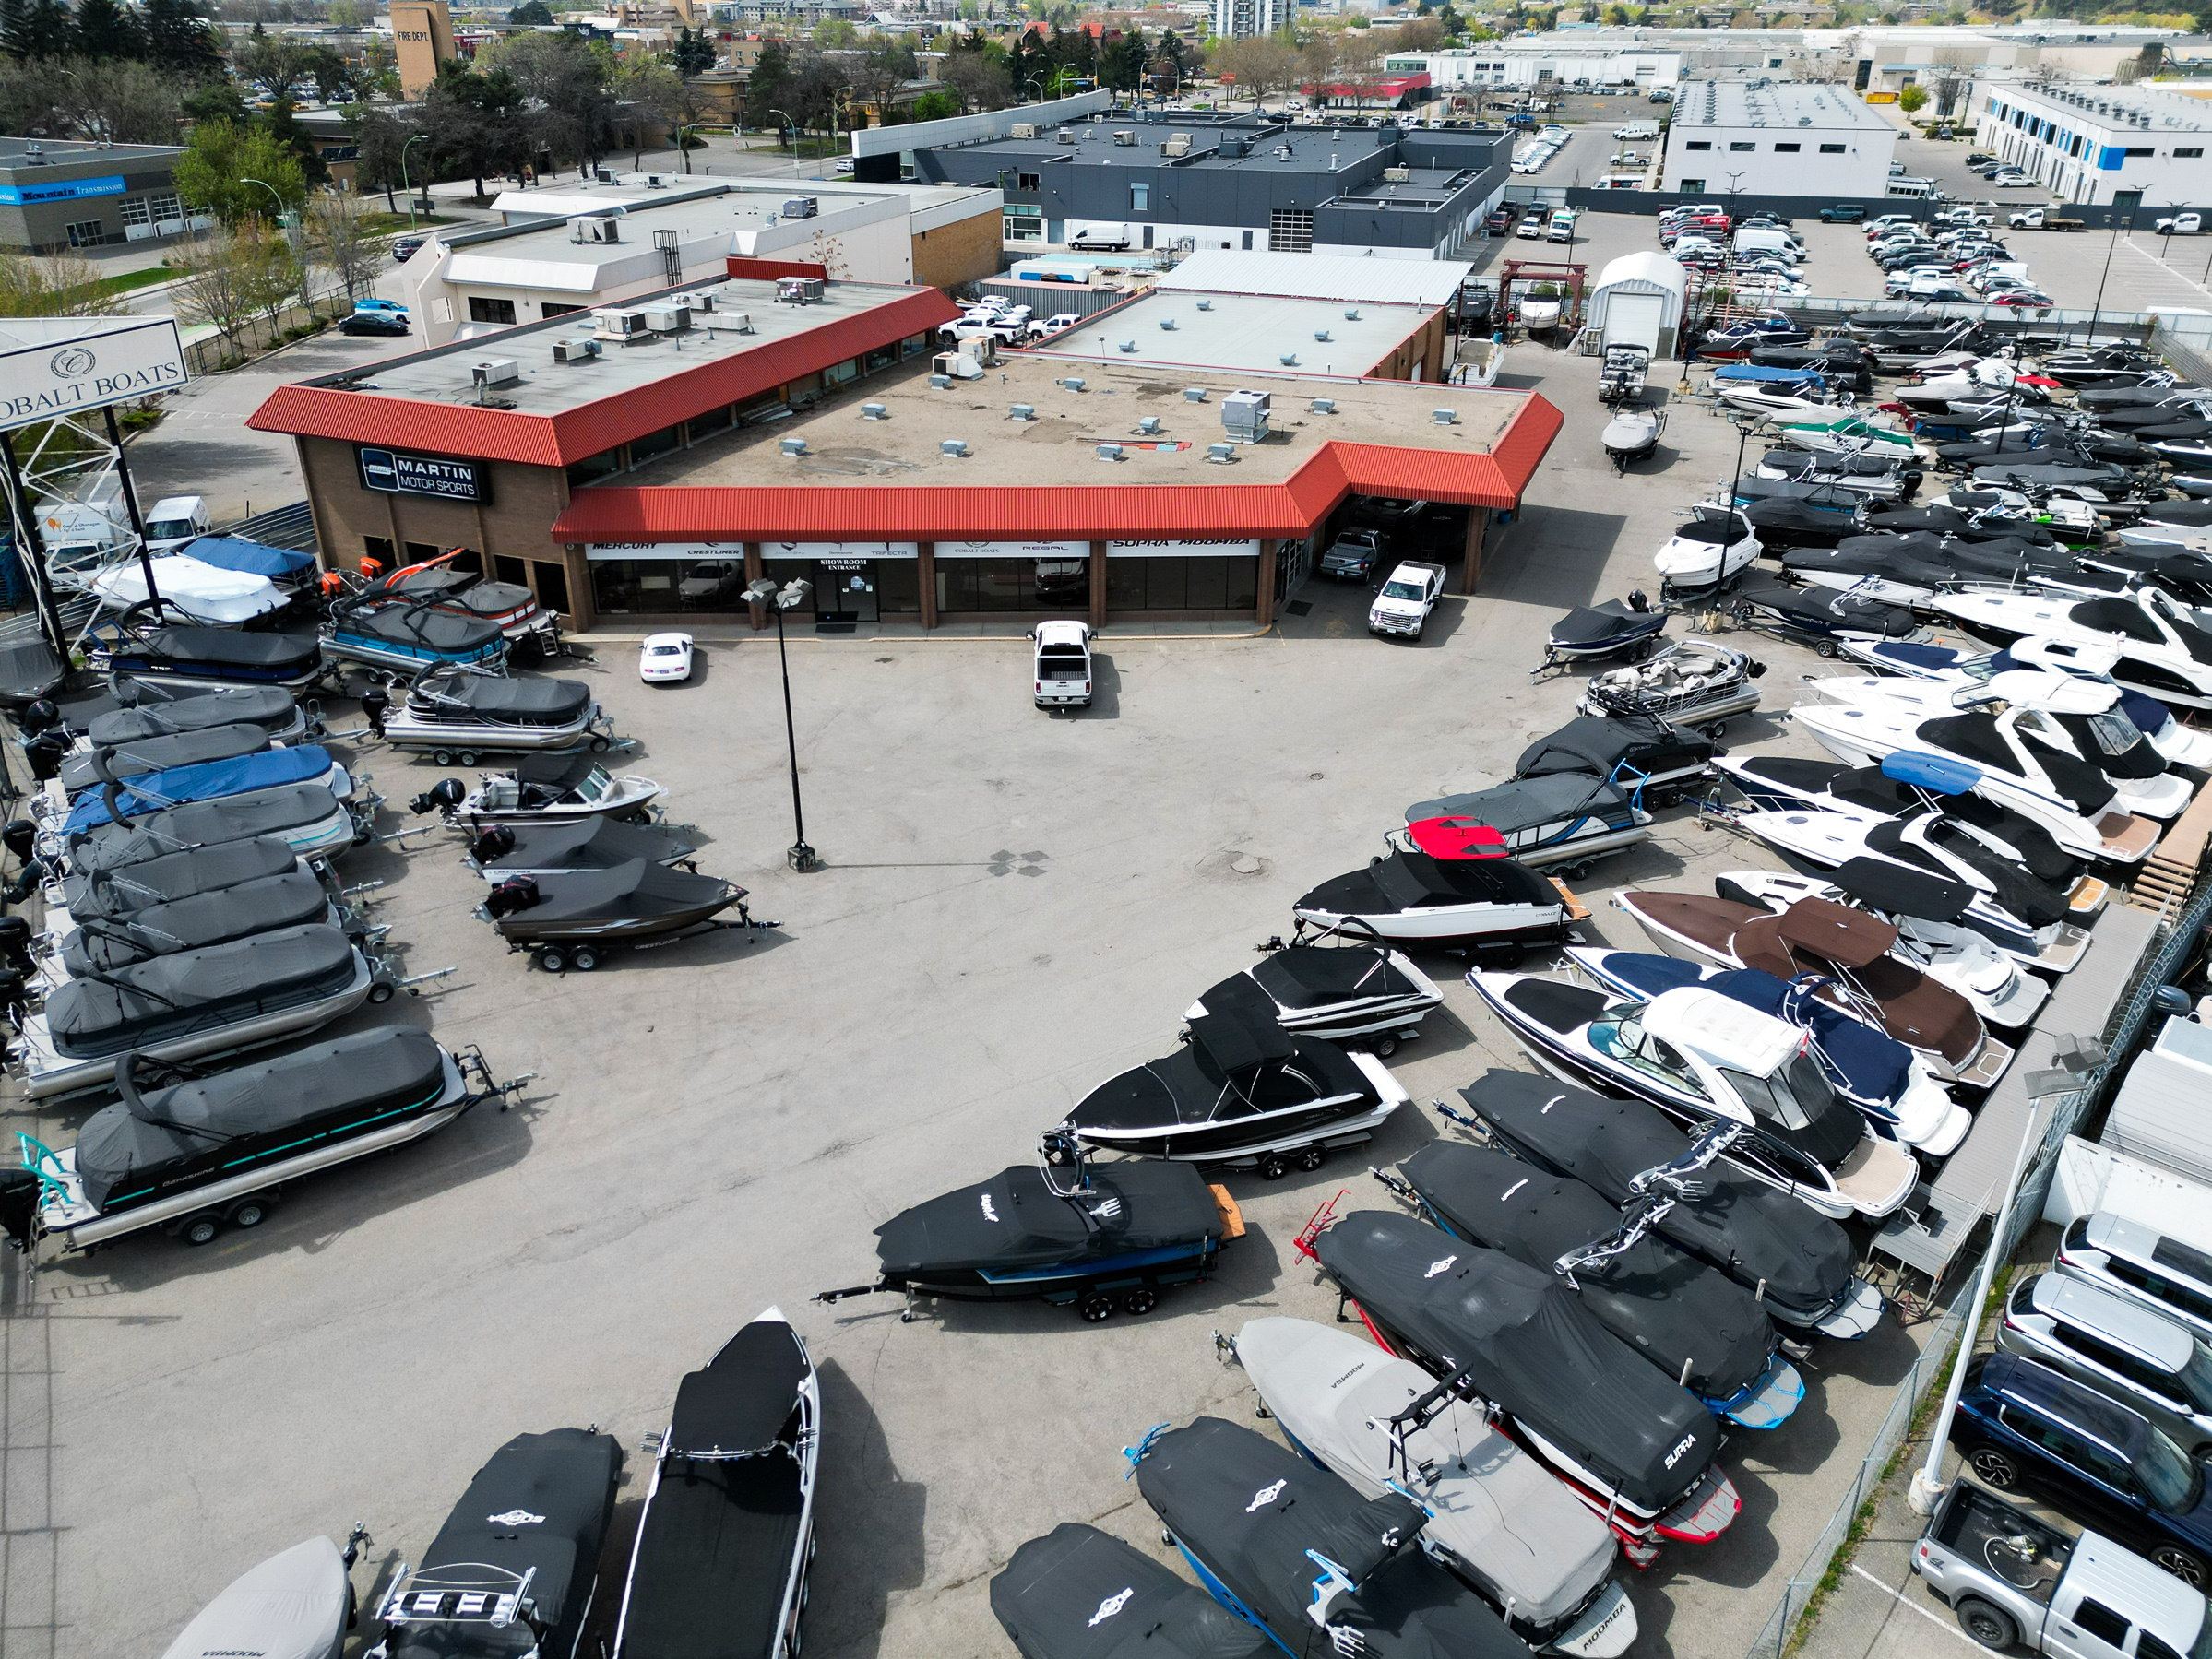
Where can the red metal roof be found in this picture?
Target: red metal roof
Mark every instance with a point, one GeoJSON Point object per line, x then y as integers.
{"type": "Point", "coordinates": [465, 430]}
{"type": "Point", "coordinates": [946, 513]}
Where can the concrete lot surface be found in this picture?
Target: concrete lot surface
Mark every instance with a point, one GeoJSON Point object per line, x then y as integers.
{"type": "Point", "coordinates": [1015, 906]}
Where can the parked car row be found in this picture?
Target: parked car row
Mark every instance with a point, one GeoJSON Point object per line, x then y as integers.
{"type": "Point", "coordinates": [1958, 260]}
{"type": "Point", "coordinates": [1550, 141]}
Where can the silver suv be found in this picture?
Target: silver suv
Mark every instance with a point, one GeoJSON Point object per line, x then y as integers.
{"type": "Point", "coordinates": [2117, 1347]}
{"type": "Point", "coordinates": [2131, 1259]}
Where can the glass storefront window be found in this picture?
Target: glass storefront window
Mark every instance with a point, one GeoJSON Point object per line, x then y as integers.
{"type": "Point", "coordinates": [552, 584]}
{"type": "Point", "coordinates": [1044, 585]}
{"type": "Point", "coordinates": [655, 443]}
{"type": "Point", "coordinates": [1206, 584]}
{"type": "Point", "coordinates": [593, 467]}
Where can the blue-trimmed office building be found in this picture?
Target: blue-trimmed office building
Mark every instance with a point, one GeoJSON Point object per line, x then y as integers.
{"type": "Point", "coordinates": [57, 194]}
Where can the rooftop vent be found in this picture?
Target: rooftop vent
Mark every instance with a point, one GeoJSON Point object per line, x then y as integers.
{"type": "Point", "coordinates": [1065, 136]}
{"type": "Point", "coordinates": [939, 383]}
{"type": "Point", "coordinates": [874, 412]}
{"type": "Point", "coordinates": [1206, 306]}
{"type": "Point", "coordinates": [579, 350]}
{"type": "Point", "coordinates": [1168, 324]}
{"type": "Point", "coordinates": [1444, 416]}
{"type": "Point", "coordinates": [1321, 334]}
{"type": "Point", "coordinates": [1194, 394]}
{"type": "Point", "coordinates": [1073, 384]}
{"type": "Point", "coordinates": [1397, 175]}
{"type": "Point", "coordinates": [1220, 454]}
{"type": "Point", "coordinates": [1110, 452]}
{"type": "Point", "coordinates": [1128, 345]}
{"type": "Point", "coordinates": [794, 446]}
{"type": "Point", "coordinates": [1021, 411]}
{"type": "Point", "coordinates": [1323, 405]}
{"type": "Point", "coordinates": [953, 446]}
{"type": "Point", "coordinates": [1290, 360]}
{"type": "Point", "coordinates": [1149, 426]}
{"type": "Point", "coordinates": [1352, 314]}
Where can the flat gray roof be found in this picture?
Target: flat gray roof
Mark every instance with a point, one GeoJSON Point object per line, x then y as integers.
{"type": "Point", "coordinates": [1772, 104]}
{"type": "Point", "coordinates": [1244, 333]}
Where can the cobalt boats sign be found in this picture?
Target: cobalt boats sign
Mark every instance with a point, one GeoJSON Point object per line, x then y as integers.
{"type": "Point", "coordinates": [52, 366]}
{"type": "Point", "coordinates": [395, 472]}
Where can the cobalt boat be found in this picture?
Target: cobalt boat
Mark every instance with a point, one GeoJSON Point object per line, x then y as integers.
{"type": "Point", "coordinates": [1700, 1057]}
{"type": "Point", "coordinates": [1629, 1443]}
{"type": "Point", "coordinates": [1705, 1332]}
{"type": "Point", "coordinates": [541, 789]}
{"type": "Point", "coordinates": [505, 851]}
{"type": "Point", "coordinates": [1080, 1593]}
{"type": "Point", "coordinates": [455, 712]}
{"type": "Point", "coordinates": [728, 1520]}
{"type": "Point", "coordinates": [513, 1569]}
{"type": "Point", "coordinates": [133, 645]}
{"type": "Point", "coordinates": [408, 635]}
{"type": "Point", "coordinates": [1799, 1264]}
{"type": "Point", "coordinates": [1609, 628]}
{"type": "Point", "coordinates": [1241, 1090]}
{"type": "Point", "coordinates": [1714, 547]}
{"type": "Point", "coordinates": [1338, 986]}
{"type": "Point", "coordinates": [1564, 818]}
{"type": "Point", "coordinates": [1495, 906]}
{"type": "Point", "coordinates": [579, 918]}
{"type": "Point", "coordinates": [1496, 1518]}
{"type": "Point", "coordinates": [1113, 1236]}
{"type": "Point", "coordinates": [296, 1604]}
{"type": "Point", "coordinates": [1300, 1554]}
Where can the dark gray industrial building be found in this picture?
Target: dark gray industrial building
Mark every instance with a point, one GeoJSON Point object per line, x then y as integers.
{"type": "Point", "coordinates": [1239, 182]}
{"type": "Point", "coordinates": [61, 192]}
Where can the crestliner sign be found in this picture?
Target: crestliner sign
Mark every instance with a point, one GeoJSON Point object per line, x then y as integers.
{"type": "Point", "coordinates": [395, 472]}
{"type": "Point", "coordinates": [66, 366]}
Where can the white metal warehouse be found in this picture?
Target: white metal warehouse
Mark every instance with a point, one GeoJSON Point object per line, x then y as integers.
{"type": "Point", "coordinates": [1638, 298]}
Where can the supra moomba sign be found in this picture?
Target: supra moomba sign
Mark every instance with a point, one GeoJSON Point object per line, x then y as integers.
{"type": "Point", "coordinates": [52, 366]}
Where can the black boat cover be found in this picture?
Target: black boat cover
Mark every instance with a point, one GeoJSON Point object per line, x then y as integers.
{"type": "Point", "coordinates": [1320, 975]}
{"type": "Point", "coordinates": [1666, 1304]}
{"type": "Point", "coordinates": [1080, 1593]}
{"type": "Point", "coordinates": [1867, 787]}
{"type": "Point", "coordinates": [1975, 737]}
{"type": "Point", "coordinates": [1840, 499]}
{"type": "Point", "coordinates": [1599, 743]}
{"type": "Point", "coordinates": [1945, 518]}
{"type": "Point", "coordinates": [202, 823]}
{"type": "Point", "coordinates": [2125, 616]}
{"type": "Point", "coordinates": [1831, 610]}
{"type": "Point", "coordinates": [1793, 524]}
{"type": "Point", "coordinates": [1851, 558]}
{"type": "Point", "coordinates": [1587, 626]}
{"type": "Point", "coordinates": [491, 698]}
{"type": "Point", "coordinates": [1241, 1040]}
{"type": "Point", "coordinates": [2046, 474]}
{"type": "Point", "coordinates": [638, 890]}
{"type": "Point", "coordinates": [540, 1506]}
{"type": "Point", "coordinates": [553, 771]}
{"type": "Point", "coordinates": [1206, 1483]}
{"type": "Point", "coordinates": [743, 1400]}
{"type": "Point", "coordinates": [2019, 890]}
{"type": "Point", "coordinates": [2190, 514]}
{"type": "Point", "coordinates": [175, 996]}
{"type": "Point", "coordinates": [1212, 1078]}
{"type": "Point", "coordinates": [1881, 886]}
{"type": "Point", "coordinates": [1524, 805]}
{"type": "Point", "coordinates": [415, 626]}
{"type": "Point", "coordinates": [1755, 1234]}
{"type": "Point", "coordinates": [1414, 881]}
{"type": "Point", "coordinates": [140, 755]}
{"type": "Point", "coordinates": [30, 670]}
{"type": "Point", "coordinates": [155, 1141]}
{"type": "Point", "coordinates": [92, 895]}
{"type": "Point", "coordinates": [1827, 463]}
{"type": "Point", "coordinates": [268, 706]}
{"type": "Point", "coordinates": [591, 844]}
{"type": "Point", "coordinates": [292, 899]}
{"type": "Point", "coordinates": [227, 647]}
{"type": "Point", "coordinates": [1015, 1221]}
{"type": "Point", "coordinates": [1531, 1347]}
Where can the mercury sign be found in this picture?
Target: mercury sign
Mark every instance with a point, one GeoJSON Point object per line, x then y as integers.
{"type": "Point", "coordinates": [395, 472]}
{"type": "Point", "coordinates": [52, 366]}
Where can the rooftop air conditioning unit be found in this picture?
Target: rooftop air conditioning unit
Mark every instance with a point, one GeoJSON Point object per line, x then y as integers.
{"type": "Point", "coordinates": [1110, 452]}
{"type": "Point", "coordinates": [1194, 394]}
{"type": "Point", "coordinates": [1180, 144]}
{"type": "Point", "coordinates": [1245, 415]}
{"type": "Point", "coordinates": [874, 412]}
{"type": "Point", "coordinates": [579, 350]}
{"type": "Point", "coordinates": [1398, 175]}
{"type": "Point", "coordinates": [1022, 129]}
{"type": "Point", "coordinates": [1021, 411]}
{"type": "Point", "coordinates": [603, 174]}
{"type": "Point", "coordinates": [801, 207]}
{"type": "Point", "coordinates": [620, 323]}
{"type": "Point", "coordinates": [1124, 135]}
{"type": "Point", "coordinates": [798, 291]}
{"type": "Point", "coordinates": [668, 319]}
{"type": "Point", "coordinates": [793, 446]}
{"type": "Point", "coordinates": [956, 365]}
{"type": "Point", "coordinates": [495, 372]}
{"type": "Point", "coordinates": [955, 446]}
{"type": "Point", "coordinates": [596, 229]}
{"type": "Point", "coordinates": [1065, 136]}
{"type": "Point", "coordinates": [653, 181]}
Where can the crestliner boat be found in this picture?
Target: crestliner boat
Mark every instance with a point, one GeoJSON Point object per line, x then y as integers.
{"type": "Point", "coordinates": [541, 789]}
{"type": "Point", "coordinates": [193, 655]}
{"type": "Point", "coordinates": [1693, 682]}
{"type": "Point", "coordinates": [576, 918]}
{"type": "Point", "coordinates": [1299, 1553]}
{"type": "Point", "coordinates": [296, 1604]}
{"type": "Point", "coordinates": [513, 1569]}
{"type": "Point", "coordinates": [1080, 1593]}
{"type": "Point", "coordinates": [728, 1527]}
{"type": "Point", "coordinates": [455, 712]}
{"type": "Point", "coordinates": [2164, 648]}
{"type": "Point", "coordinates": [1799, 1264]}
{"type": "Point", "coordinates": [1111, 1237]}
{"type": "Point", "coordinates": [1710, 550]}
{"type": "Point", "coordinates": [1241, 1090]}
{"type": "Point", "coordinates": [1495, 906]}
{"type": "Point", "coordinates": [1628, 1441]}
{"type": "Point", "coordinates": [1631, 435]}
{"type": "Point", "coordinates": [1340, 987]}
{"type": "Point", "coordinates": [505, 851]}
{"type": "Point", "coordinates": [408, 636]}
{"type": "Point", "coordinates": [1568, 819]}
{"type": "Point", "coordinates": [1496, 1517]}
{"type": "Point", "coordinates": [1611, 628]}
{"type": "Point", "coordinates": [1700, 1329]}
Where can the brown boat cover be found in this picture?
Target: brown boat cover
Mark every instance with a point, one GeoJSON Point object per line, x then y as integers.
{"type": "Point", "coordinates": [1836, 932]}
{"type": "Point", "coordinates": [1915, 1009]}
{"type": "Point", "coordinates": [1708, 922]}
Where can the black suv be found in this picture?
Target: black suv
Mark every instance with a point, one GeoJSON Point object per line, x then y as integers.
{"type": "Point", "coordinates": [2023, 1425]}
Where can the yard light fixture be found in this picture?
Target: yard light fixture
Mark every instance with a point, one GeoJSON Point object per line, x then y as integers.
{"type": "Point", "coordinates": [410, 189]}
{"type": "Point", "coordinates": [789, 597]}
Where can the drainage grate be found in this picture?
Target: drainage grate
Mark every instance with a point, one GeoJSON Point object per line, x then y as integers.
{"type": "Point", "coordinates": [1300, 607]}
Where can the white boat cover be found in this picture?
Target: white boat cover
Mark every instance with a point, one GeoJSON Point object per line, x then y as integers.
{"type": "Point", "coordinates": [202, 592]}
{"type": "Point", "coordinates": [291, 1607]}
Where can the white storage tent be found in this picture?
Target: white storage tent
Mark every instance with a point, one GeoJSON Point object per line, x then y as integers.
{"type": "Point", "coordinates": [1638, 302]}
{"type": "Point", "coordinates": [2158, 1116]}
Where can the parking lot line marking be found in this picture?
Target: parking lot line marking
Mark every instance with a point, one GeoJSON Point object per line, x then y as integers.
{"type": "Point", "coordinates": [1900, 1597]}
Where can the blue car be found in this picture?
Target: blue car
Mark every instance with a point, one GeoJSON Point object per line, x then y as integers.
{"type": "Point", "coordinates": [2023, 1425]}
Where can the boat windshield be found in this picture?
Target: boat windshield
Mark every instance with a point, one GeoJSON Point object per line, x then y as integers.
{"type": "Point", "coordinates": [1796, 1096]}
{"type": "Point", "coordinates": [2115, 733]}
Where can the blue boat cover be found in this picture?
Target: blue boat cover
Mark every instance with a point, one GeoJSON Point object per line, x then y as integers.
{"type": "Point", "coordinates": [1746, 372]}
{"type": "Point", "coordinates": [212, 780]}
{"type": "Point", "coordinates": [1937, 773]}
{"type": "Point", "coordinates": [2149, 715]}
{"type": "Point", "coordinates": [255, 558]}
{"type": "Point", "coordinates": [1934, 658]}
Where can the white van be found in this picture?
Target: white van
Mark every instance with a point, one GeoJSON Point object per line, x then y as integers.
{"type": "Point", "coordinates": [1924, 189]}
{"type": "Point", "coordinates": [1092, 239]}
{"type": "Point", "coordinates": [1759, 239]}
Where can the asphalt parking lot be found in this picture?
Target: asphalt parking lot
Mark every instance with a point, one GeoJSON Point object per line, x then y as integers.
{"type": "Point", "coordinates": [1015, 906]}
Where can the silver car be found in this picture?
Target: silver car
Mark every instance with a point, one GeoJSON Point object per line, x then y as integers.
{"type": "Point", "coordinates": [2133, 1261]}
{"type": "Point", "coordinates": [2117, 1347]}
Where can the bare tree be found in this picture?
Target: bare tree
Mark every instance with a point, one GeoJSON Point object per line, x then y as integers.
{"type": "Point", "coordinates": [1259, 64]}
{"type": "Point", "coordinates": [66, 285]}
{"type": "Point", "coordinates": [337, 228]}
{"type": "Point", "coordinates": [214, 288]}
{"type": "Point", "coordinates": [1950, 77]}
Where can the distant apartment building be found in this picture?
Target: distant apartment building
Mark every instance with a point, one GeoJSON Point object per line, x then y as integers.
{"type": "Point", "coordinates": [1242, 20]}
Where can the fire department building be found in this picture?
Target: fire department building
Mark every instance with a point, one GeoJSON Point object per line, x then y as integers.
{"type": "Point", "coordinates": [640, 467]}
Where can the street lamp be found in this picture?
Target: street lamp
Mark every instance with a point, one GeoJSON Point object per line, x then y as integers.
{"type": "Point", "coordinates": [2135, 201]}
{"type": "Point", "coordinates": [272, 193]}
{"type": "Point", "coordinates": [418, 138]}
{"type": "Point", "coordinates": [790, 130]}
{"type": "Point", "coordinates": [790, 596]}
{"type": "Point", "coordinates": [1031, 81]}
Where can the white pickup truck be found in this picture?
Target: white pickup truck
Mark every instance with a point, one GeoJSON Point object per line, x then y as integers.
{"type": "Point", "coordinates": [1402, 604]}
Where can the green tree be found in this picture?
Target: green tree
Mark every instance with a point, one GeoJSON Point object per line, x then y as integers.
{"type": "Point", "coordinates": [568, 115]}
{"type": "Point", "coordinates": [649, 96]}
{"type": "Point", "coordinates": [39, 29]}
{"type": "Point", "coordinates": [105, 32]}
{"type": "Point", "coordinates": [1913, 98]}
{"type": "Point", "coordinates": [118, 101]}
{"type": "Point", "coordinates": [693, 53]}
{"type": "Point", "coordinates": [271, 62]}
{"type": "Point", "coordinates": [217, 100]}
{"type": "Point", "coordinates": [66, 285]}
{"type": "Point", "coordinates": [178, 41]}
{"type": "Point", "coordinates": [766, 87]}
{"type": "Point", "coordinates": [212, 172]}
{"type": "Point", "coordinates": [532, 11]}
{"type": "Point", "coordinates": [282, 125]}
{"type": "Point", "coordinates": [935, 106]}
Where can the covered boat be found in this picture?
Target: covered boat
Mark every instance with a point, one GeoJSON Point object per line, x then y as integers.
{"type": "Point", "coordinates": [148, 713]}
{"type": "Point", "coordinates": [29, 670]}
{"type": "Point", "coordinates": [1780, 524]}
{"type": "Point", "coordinates": [1497, 905]}
{"type": "Point", "coordinates": [201, 656]}
{"type": "Point", "coordinates": [92, 768]}
{"type": "Point", "coordinates": [1345, 990]}
{"type": "Point", "coordinates": [198, 592]}
{"type": "Point", "coordinates": [1632, 435]}
{"type": "Point", "coordinates": [728, 1520]}
{"type": "Point", "coordinates": [1609, 628]}
{"type": "Point", "coordinates": [292, 899]}
{"type": "Point", "coordinates": [1825, 616]}
{"type": "Point", "coordinates": [164, 878]}
{"type": "Point", "coordinates": [1565, 818]}
{"type": "Point", "coordinates": [1658, 756]}
{"type": "Point", "coordinates": [1080, 1593]}
{"type": "Point", "coordinates": [273, 771]}
{"type": "Point", "coordinates": [453, 713]}
{"type": "Point", "coordinates": [296, 1604]}
{"type": "Point", "coordinates": [505, 851]}
{"type": "Point", "coordinates": [408, 635]}
{"type": "Point", "coordinates": [590, 912]}
{"type": "Point", "coordinates": [311, 821]}
{"type": "Point", "coordinates": [283, 566]}
{"type": "Point", "coordinates": [511, 606]}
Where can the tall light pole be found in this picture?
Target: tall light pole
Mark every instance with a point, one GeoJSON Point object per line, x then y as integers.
{"type": "Point", "coordinates": [418, 138]}
{"type": "Point", "coordinates": [1031, 81]}
{"type": "Point", "coordinates": [790, 596]}
{"type": "Point", "coordinates": [790, 131]}
{"type": "Point", "coordinates": [2134, 200]}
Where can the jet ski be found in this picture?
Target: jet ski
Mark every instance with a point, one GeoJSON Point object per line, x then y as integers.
{"type": "Point", "coordinates": [296, 1604]}
{"type": "Point", "coordinates": [455, 712]}
{"type": "Point", "coordinates": [1631, 435]}
{"type": "Point", "coordinates": [576, 918]}
{"type": "Point", "coordinates": [1700, 1328]}
{"type": "Point", "coordinates": [90, 895]}
{"type": "Point", "coordinates": [1683, 1051]}
{"type": "Point", "coordinates": [1080, 1593]}
{"type": "Point", "coordinates": [504, 853]}
{"type": "Point", "coordinates": [1626, 1440]}
{"type": "Point", "coordinates": [1113, 1235]}
{"type": "Point", "coordinates": [1494, 906]}
{"type": "Point", "coordinates": [1496, 1517]}
{"type": "Point", "coordinates": [94, 768]}
{"type": "Point", "coordinates": [1240, 1090]}
{"type": "Point", "coordinates": [1895, 1089]}
{"type": "Point", "coordinates": [408, 636]}
{"type": "Point", "coordinates": [1824, 616]}
{"type": "Point", "coordinates": [294, 898]}
{"type": "Point", "coordinates": [1342, 988]}
{"type": "Point", "coordinates": [514, 1567]}
{"type": "Point", "coordinates": [1800, 1265]}
{"type": "Point", "coordinates": [194, 655]}
{"type": "Point", "coordinates": [728, 1526]}
{"type": "Point", "coordinates": [541, 789]}
{"type": "Point", "coordinates": [192, 1004]}
{"type": "Point", "coordinates": [1692, 683]}
{"type": "Point", "coordinates": [1706, 553]}
{"type": "Point", "coordinates": [1297, 1551]}
{"type": "Point", "coordinates": [1611, 628]}
{"type": "Point", "coordinates": [1563, 818]}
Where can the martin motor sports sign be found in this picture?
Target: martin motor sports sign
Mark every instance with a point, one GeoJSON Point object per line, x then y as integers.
{"type": "Point", "coordinates": [52, 366]}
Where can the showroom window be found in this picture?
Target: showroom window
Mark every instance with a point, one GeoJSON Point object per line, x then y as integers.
{"type": "Point", "coordinates": [490, 311]}
{"type": "Point", "coordinates": [1024, 223]}
{"type": "Point", "coordinates": [89, 234]}
{"type": "Point", "coordinates": [553, 584]}
{"type": "Point", "coordinates": [655, 443]}
{"type": "Point", "coordinates": [1699, 144]}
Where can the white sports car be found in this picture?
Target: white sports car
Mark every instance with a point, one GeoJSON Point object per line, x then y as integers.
{"type": "Point", "coordinates": [665, 659]}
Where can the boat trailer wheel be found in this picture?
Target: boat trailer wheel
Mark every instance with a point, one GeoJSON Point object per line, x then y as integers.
{"type": "Point", "coordinates": [1095, 1305]}
{"type": "Point", "coordinates": [1310, 1159]}
{"type": "Point", "coordinates": [1274, 1167]}
{"type": "Point", "coordinates": [1827, 647]}
{"type": "Point", "coordinates": [601, 745]}
{"type": "Point", "coordinates": [1143, 1299]}
{"type": "Point", "coordinates": [202, 1229]}
{"type": "Point", "coordinates": [552, 959]}
{"type": "Point", "coordinates": [1384, 1046]}
{"type": "Point", "coordinates": [381, 991]}
{"type": "Point", "coordinates": [583, 959]}
{"type": "Point", "coordinates": [441, 757]}
{"type": "Point", "coordinates": [251, 1214]}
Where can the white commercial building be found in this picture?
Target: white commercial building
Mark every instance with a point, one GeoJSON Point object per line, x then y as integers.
{"type": "Point", "coordinates": [1240, 20]}
{"type": "Point", "coordinates": [1547, 60]}
{"type": "Point", "coordinates": [2085, 143]}
{"type": "Point", "coordinates": [1763, 138]}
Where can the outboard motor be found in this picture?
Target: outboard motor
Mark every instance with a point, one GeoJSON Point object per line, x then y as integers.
{"type": "Point", "coordinates": [1638, 600]}
{"type": "Point", "coordinates": [510, 896]}
{"type": "Point", "coordinates": [30, 876]}
{"type": "Point", "coordinates": [493, 844]}
{"type": "Point", "coordinates": [19, 835]}
{"type": "Point", "coordinates": [39, 715]}
{"type": "Point", "coordinates": [374, 703]}
{"type": "Point", "coordinates": [15, 1000]}
{"type": "Point", "coordinates": [446, 795]}
{"type": "Point", "coordinates": [19, 1205]}
{"type": "Point", "coordinates": [45, 754]}
{"type": "Point", "coordinates": [15, 945]}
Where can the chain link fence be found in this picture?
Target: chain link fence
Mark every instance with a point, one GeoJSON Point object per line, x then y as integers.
{"type": "Point", "coordinates": [259, 333]}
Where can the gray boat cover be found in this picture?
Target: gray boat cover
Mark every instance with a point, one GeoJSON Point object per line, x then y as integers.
{"type": "Point", "coordinates": [177, 996]}
{"type": "Point", "coordinates": [1080, 1593]}
{"type": "Point", "coordinates": [590, 844]}
{"type": "Point", "coordinates": [414, 627]}
{"type": "Point", "coordinates": [458, 590]}
{"type": "Point", "coordinates": [141, 755]}
{"type": "Point", "coordinates": [202, 823]}
{"type": "Point", "coordinates": [1524, 805]}
{"type": "Point", "coordinates": [227, 647]}
{"type": "Point", "coordinates": [268, 706]}
{"type": "Point", "coordinates": [1016, 1222]}
{"type": "Point", "coordinates": [119, 890]}
{"type": "Point", "coordinates": [29, 671]}
{"type": "Point", "coordinates": [292, 899]}
{"type": "Point", "coordinates": [291, 1607]}
{"type": "Point", "coordinates": [153, 1140]}
{"type": "Point", "coordinates": [480, 698]}
{"type": "Point", "coordinates": [638, 890]}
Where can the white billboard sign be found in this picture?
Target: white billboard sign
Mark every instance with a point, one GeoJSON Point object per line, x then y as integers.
{"type": "Point", "coordinates": [841, 549]}
{"type": "Point", "coordinates": [52, 366]}
{"type": "Point", "coordinates": [665, 550]}
{"type": "Point", "coordinates": [1013, 549]}
{"type": "Point", "coordinates": [1183, 550]}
